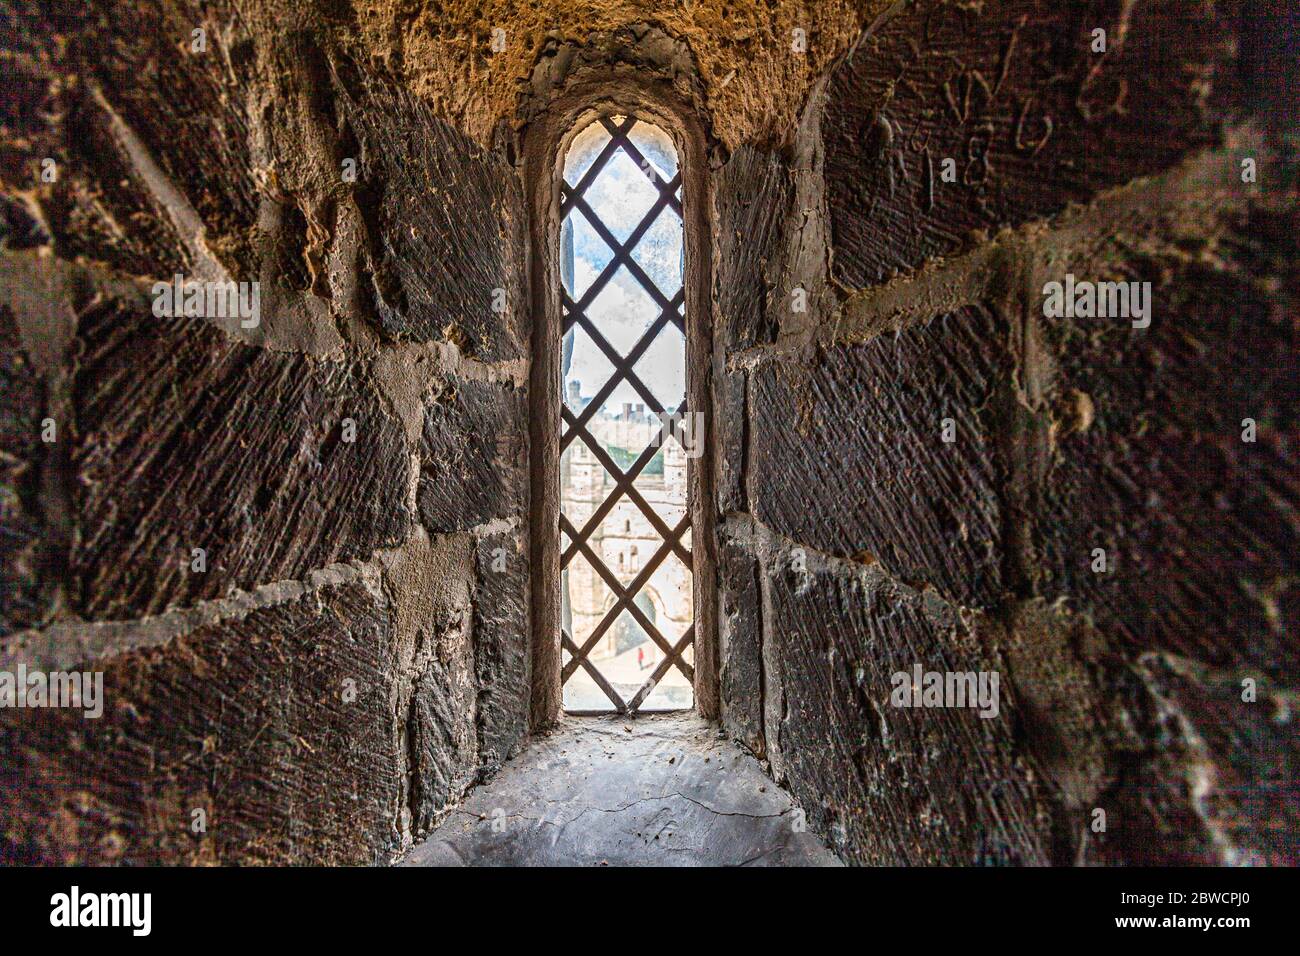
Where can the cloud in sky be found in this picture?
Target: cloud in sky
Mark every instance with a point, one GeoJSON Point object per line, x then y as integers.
{"type": "Point", "coordinates": [621, 196]}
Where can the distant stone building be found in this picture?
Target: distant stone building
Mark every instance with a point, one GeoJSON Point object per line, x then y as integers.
{"type": "Point", "coordinates": [625, 539]}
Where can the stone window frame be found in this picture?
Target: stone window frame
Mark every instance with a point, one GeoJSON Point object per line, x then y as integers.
{"type": "Point", "coordinates": [546, 142]}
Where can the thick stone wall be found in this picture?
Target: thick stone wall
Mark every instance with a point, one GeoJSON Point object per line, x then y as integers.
{"type": "Point", "coordinates": [298, 551]}
{"type": "Point", "coordinates": [295, 551]}
{"type": "Point", "coordinates": [919, 464]}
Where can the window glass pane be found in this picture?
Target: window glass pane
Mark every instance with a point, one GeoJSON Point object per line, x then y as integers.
{"type": "Point", "coordinates": [585, 148]}
{"type": "Point", "coordinates": [659, 253]}
{"type": "Point", "coordinates": [656, 146]}
{"type": "Point", "coordinates": [629, 595]}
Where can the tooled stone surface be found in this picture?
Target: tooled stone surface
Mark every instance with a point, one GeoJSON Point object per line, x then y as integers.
{"type": "Point", "coordinates": [441, 719]}
{"type": "Point", "coordinates": [277, 726]}
{"type": "Point", "coordinates": [891, 784]}
{"type": "Point", "coordinates": [1031, 118]}
{"type": "Point", "coordinates": [471, 456]}
{"type": "Point", "coordinates": [849, 456]}
{"type": "Point", "coordinates": [185, 440]}
{"type": "Point", "coordinates": [446, 224]}
{"type": "Point", "coordinates": [753, 198]}
{"type": "Point", "coordinates": [730, 388]}
{"type": "Point", "coordinates": [188, 108]}
{"type": "Point", "coordinates": [740, 643]}
{"type": "Point", "coordinates": [1198, 525]}
{"type": "Point", "coordinates": [502, 654]}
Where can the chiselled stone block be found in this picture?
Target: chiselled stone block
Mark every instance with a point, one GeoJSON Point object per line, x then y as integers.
{"type": "Point", "coordinates": [502, 650]}
{"type": "Point", "coordinates": [272, 464]}
{"type": "Point", "coordinates": [267, 738]}
{"type": "Point", "coordinates": [472, 456]}
{"type": "Point", "coordinates": [446, 223]}
{"type": "Point", "coordinates": [732, 403]}
{"type": "Point", "coordinates": [930, 785]}
{"type": "Point", "coordinates": [1197, 524]}
{"type": "Point", "coordinates": [188, 106]}
{"type": "Point", "coordinates": [441, 729]}
{"type": "Point", "coordinates": [740, 628]}
{"type": "Point", "coordinates": [754, 196]}
{"type": "Point", "coordinates": [1011, 99]}
{"type": "Point", "coordinates": [851, 457]}
{"type": "Point", "coordinates": [61, 151]}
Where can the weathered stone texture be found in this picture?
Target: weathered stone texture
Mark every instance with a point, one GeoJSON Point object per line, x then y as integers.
{"type": "Point", "coordinates": [1203, 775]}
{"type": "Point", "coordinates": [445, 222]}
{"type": "Point", "coordinates": [1032, 117]}
{"type": "Point", "coordinates": [333, 725]}
{"type": "Point", "coordinates": [754, 195]}
{"type": "Point", "coordinates": [1199, 525]}
{"type": "Point", "coordinates": [26, 584]}
{"type": "Point", "coordinates": [502, 655]}
{"type": "Point", "coordinates": [740, 642]}
{"type": "Point", "coordinates": [430, 582]}
{"type": "Point", "coordinates": [441, 731]}
{"type": "Point", "coordinates": [731, 430]}
{"type": "Point", "coordinates": [142, 56]}
{"type": "Point", "coordinates": [928, 786]}
{"type": "Point", "coordinates": [188, 109]}
{"type": "Point", "coordinates": [848, 456]}
{"type": "Point", "coordinates": [278, 726]}
{"type": "Point", "coordinates": [185, 440]}
{"type": "Point", "coordinates": [326, 727]}
{"type": "Point", "coordinates": [472, 456]}
{"type": "Point", "coordinates": [92, 208]}
{"type": "Point", "coordinates": [1122, 689]}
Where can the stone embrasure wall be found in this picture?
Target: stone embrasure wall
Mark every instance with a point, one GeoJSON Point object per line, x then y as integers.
{"type": "Point", "coordinates": [919, 464]}
{"type": "Point", "coordinates": [296, 551]}
{"type": "Point", "coordinates": [889, 205]}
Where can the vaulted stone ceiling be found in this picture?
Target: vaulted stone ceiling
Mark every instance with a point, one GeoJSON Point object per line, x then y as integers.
{"type": "Point", "coordinates": [753, 81]}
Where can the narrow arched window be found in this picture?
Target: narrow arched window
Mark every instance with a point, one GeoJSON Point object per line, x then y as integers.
{"type": "Point", "coordinates": [623, 402]}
